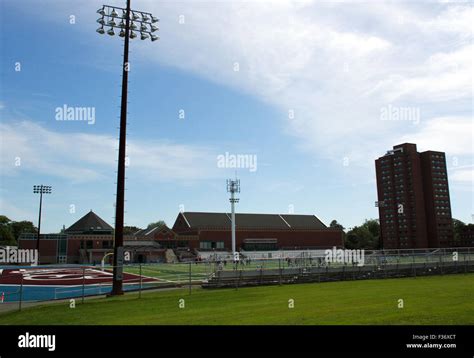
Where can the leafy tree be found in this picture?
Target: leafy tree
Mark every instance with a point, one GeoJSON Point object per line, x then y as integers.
{"type": "Point", "coordinates": [6, 233]}
{"type": "Point", "coordinates": [20, 227]}
{"type": "Point", "coordinates": [458, 227]}
{"type": "Point", "coordinates": [373, 226]}
{"type": "Point", "coordinates": [336, 225]}
{"type": "Point", "coordinates": [10, 230]}
{"type": "Point", "coordinates": [4, 220]}
{"type": "Point", "coordinates": [130, 230]}
{"type": "Point", "coordinates": [365, 236]}
{"type": "Point", "coordinates": [358, 238]}
{"type": "Point", "coordinates": [159, 224]}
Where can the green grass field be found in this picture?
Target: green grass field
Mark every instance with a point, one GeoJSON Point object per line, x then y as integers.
{"type": "Point", "coordinates": [172, 272]}
{"type": "Point", "coordinates": [427, 300]}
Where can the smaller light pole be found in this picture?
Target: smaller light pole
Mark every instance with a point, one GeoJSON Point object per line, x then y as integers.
{"type": "Point", "coordinates": [40, 189]}
{"type": "Point", "coordinates": [233, 186]}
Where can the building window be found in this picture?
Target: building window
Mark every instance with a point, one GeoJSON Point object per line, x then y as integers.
{"type": "Point", "coordinates": [205, 245]}
{"type": "Point", "coordinates": [209, 245]}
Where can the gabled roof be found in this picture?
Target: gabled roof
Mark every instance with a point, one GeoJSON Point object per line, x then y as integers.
{"type": "Point", "coordinates": [201, 220]}
{"type": "Point", "coordinates": [89, 223]}
{"type": "Point", "coordinates": [198, 220]}
{"type": "Point", "coordinates": [150, 233]}
{"type": "Point", "coordinates": [303, 221]}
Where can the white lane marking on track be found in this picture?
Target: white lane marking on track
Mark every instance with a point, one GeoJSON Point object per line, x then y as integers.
{"type": "Point", "coordinates": [58, 274]}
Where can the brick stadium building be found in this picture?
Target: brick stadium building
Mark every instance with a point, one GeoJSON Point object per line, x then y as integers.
{"type": "Point", "coordinates": [413, 199]}
{"type": "Point", "coordinates": [256, 231]}
{"type": "Point", "coordinates": [90, 238]}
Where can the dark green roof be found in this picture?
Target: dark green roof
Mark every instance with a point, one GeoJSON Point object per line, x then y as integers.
{"type": "Point", "coordinates": [89, 223]}
{"type": "Point", "coordinates": [200, 220]}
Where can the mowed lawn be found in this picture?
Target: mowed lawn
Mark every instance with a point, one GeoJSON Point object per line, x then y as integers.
{"type": "Point", "coordinates": [427, 300]}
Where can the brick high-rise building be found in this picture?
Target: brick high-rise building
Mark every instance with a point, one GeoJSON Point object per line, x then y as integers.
{"type": "Point", "coordinates": [413, 199]}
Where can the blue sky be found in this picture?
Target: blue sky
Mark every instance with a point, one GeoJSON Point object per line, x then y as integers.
{"type": "Point", "coordinates": [334, 66]}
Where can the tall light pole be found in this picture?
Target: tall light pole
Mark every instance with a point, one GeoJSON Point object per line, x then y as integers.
{"type": "Point", "coordinates": [233, 186]}
{"type": "Point", "coordinates": [129, 22]}
{"type": "Point", "coordinates": [40, 189]}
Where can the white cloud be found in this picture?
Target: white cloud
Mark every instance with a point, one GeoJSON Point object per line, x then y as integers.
{"type": "Point", "coordinates": [444, 76]}
{"type": "Point", "coordinates": [456, 18]}
{"type": "Point", "coordinates": [463, 176]}
{"type": "Point", "coordinates": [336, 64]}
{"type": "Point", "coordinates": [334, 71]}
{"type": "Point", "coordinates": [84, 157]}
{"type": "Point", "coordinates": [13, 212]}
{"type": "Point", "coordinates": [453, 135]}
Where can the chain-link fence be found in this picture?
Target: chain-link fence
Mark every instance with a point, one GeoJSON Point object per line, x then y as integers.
{"type": "Point", "coordinates": [24, 286]}
{"type": "Point", "coordinates": [27, 285]}
{"type": "Point", "coordinates": [312, 266]}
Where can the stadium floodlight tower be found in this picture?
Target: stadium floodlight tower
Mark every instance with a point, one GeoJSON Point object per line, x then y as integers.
{"type": "Point", "coordinates": [233, 186]}
{"type": "Point", "coordinates": [40, 189]}
{"type": "Point", "coordinates": [129, 22]}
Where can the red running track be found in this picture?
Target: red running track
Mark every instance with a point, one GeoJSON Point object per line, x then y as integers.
{"type": "Point", "coordinates": [64, 276]}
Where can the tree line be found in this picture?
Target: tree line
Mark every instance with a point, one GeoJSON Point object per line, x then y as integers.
{"type": "Point", "coordinates": [367, 235]}
{"type": "Point", "coordinates": [11, 230]}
